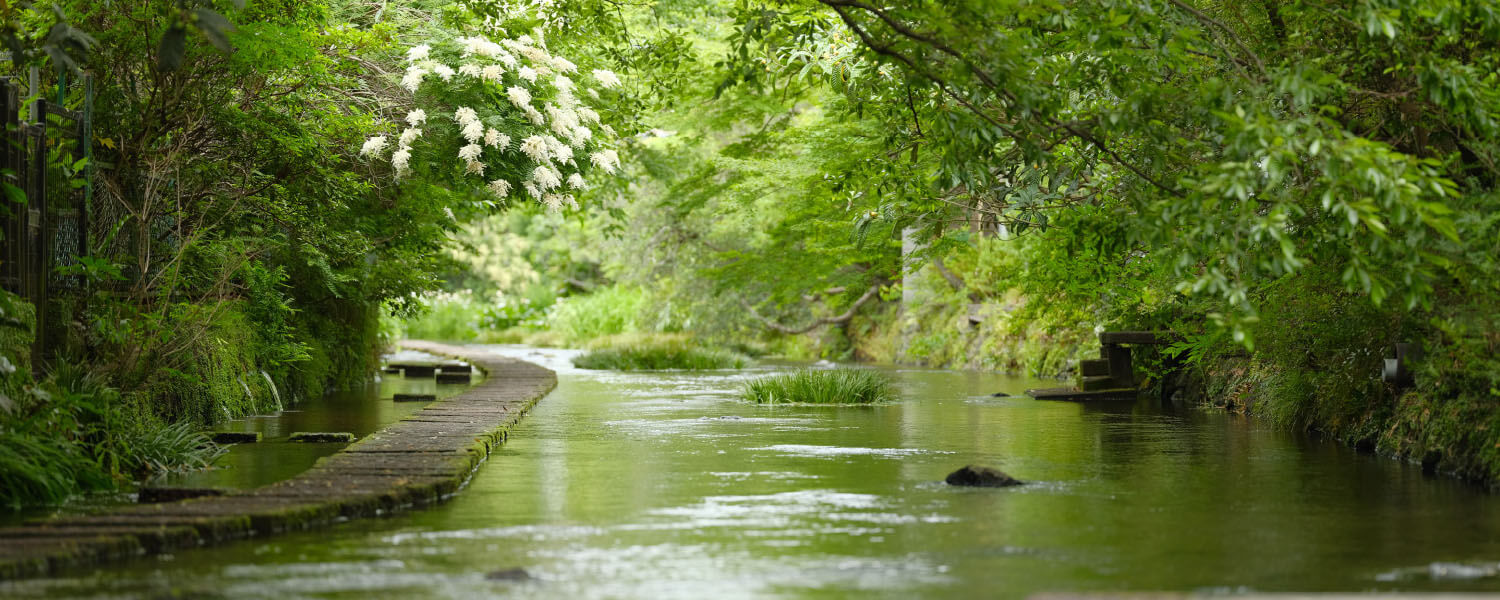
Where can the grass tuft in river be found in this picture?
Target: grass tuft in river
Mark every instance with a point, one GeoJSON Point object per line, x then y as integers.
{"type": "Point", "coordinates": [656, 352]}
{"type": "Point", "coordinates": [808, 386]}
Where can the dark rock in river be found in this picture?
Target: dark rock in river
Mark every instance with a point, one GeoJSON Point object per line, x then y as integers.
{"type": "Point", "coordinates": [512, 574]}
{"type": "Point", "coordinates": [999, 395]}
{"type": "Point", "coordinates": [980, 476]}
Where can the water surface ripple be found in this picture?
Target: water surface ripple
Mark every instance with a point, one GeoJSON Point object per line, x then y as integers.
{"type": "Point", "coordinates": [665, 485]}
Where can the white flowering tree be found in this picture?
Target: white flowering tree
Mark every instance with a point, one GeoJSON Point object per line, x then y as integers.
{"type": "Point", "coordinates": [507, 115]}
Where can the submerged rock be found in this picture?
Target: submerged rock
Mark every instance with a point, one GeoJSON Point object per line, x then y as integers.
{"type": "Point", "coordinates": [980, 476]}
{"type": "Point", "coordinates": [414, 397]}
{"type": "Point", "coordinates": [999, 395]}
{"type": "Point", "coordinates": [512, 574]}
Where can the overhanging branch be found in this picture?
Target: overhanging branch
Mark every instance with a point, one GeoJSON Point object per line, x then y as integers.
{"type": "Point", "coordinates": [778, 327]}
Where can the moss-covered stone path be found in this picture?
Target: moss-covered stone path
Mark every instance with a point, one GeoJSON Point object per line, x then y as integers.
{"type": "Point", "coordinates": [416, 461]}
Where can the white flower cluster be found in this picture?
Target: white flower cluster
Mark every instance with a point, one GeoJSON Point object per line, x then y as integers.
{"type": "Point", "coordinates": [540, 94]}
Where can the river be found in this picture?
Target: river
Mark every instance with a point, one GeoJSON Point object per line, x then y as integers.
{"type": "Point", "coordinates": [665, 485]}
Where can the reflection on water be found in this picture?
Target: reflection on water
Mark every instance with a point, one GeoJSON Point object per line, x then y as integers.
{"type": "Point", "coordinates": [664, 485]}
{"type": "Point", "coordinates": [361, 411]}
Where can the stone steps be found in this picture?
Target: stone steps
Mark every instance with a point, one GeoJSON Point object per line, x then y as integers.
{"type": "Point", "coordinates": [1112, 375]}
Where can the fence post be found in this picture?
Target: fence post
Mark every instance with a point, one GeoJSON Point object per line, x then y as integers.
{"type": "Point", "coordinates": [88, 167]}
{"type": "Point", "coordinates": [10, 269]}
{"type": "Point", "coordinates": [41, 246]}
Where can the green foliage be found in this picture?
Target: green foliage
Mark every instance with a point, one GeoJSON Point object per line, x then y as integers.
{"type": "Point", "coordinates": [465, 316]}
{"type": "Point", "coordinates": [810, 386]}
{"type": "Point", "coordinates": [75, 435]}
{"type": "Point", "coordinates": [609, 311]}
{"type": "Point", "coordinates": [656, 352]}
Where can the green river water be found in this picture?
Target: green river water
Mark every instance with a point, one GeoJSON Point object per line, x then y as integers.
{"type": "Point", "coordinates": [664, 485]}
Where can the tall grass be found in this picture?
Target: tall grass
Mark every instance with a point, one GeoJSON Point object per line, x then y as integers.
{"type": "Point", "coordinates": [644, 352]}
{"type": "Point", "coordinates": [809, 386]}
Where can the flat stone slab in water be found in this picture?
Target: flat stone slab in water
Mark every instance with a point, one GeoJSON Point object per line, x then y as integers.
{"type": "Point", "coordinates": [414, 397]}
{"type": "Point", "coordinates": [445, 377]}
{"type": "Point", "coordinates": [236, 437]}
{"type": "Point", "coordinates": [313, 437]}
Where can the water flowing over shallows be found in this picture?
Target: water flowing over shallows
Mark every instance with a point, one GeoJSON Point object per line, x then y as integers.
{"type": "Point", "coordinates": [666, 485]}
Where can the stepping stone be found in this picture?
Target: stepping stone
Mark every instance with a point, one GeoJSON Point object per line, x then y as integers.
{"type": "Point", "coordinates": [414, 397]}
{"type": "Point", "coordinates": [456, 368]}
{"type": "Point", "coordinates": [153, 495]}
{"type": "Point", "coordinates": [321, 436]}
{"type": "Point", "coordinates": [236, 437]}
{"type": "Point", "coordinates": [392, 370]}
{"type": "Point", "coordinates": [453, 378]}
{"type": "Point", "coordinates": [419, 370]}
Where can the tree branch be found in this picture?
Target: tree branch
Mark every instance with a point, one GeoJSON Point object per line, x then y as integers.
{"type": "Point", "coordinates": [848, 314]}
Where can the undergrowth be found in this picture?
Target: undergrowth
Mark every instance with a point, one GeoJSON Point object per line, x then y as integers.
{"type": "Point", "coordinates": [72, 434]}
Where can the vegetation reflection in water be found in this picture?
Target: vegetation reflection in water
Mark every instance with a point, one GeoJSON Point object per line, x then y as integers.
{"type": "Point", "coordinates": [664, 485]}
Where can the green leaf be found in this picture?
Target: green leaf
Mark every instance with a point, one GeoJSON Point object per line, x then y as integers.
{"type": "Point", "coordinates": [169, 53]}
{"type": "Point", "coordinates": [215, 28]}
{"type": "Point", "coordinates": [13, 193]}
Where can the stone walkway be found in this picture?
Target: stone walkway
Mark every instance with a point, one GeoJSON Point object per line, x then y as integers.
{"type": "Point", "coordinates": [416, 461]}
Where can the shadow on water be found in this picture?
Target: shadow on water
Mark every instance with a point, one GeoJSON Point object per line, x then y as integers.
{"type": "Point", "coordinates": [361, 411]}
{"type": "Point", "coordinates": [665, 485]}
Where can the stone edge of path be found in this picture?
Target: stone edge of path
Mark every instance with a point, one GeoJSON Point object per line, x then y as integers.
{"type": "Point", "coordinates": [422, 459]}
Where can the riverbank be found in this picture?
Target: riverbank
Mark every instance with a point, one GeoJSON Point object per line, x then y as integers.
{"type": "Point", "coordinates": [417, 461]}
{"type": "Point", "coordinates": [1446, 431]}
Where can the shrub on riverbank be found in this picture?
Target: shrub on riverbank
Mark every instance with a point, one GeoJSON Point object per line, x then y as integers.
{"type": "Point", "coordinates": [71, 434]}
{"type": "Point", "coordinates": [656, 352]}
{"type": "Point", "coordinates": [808, 386]}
